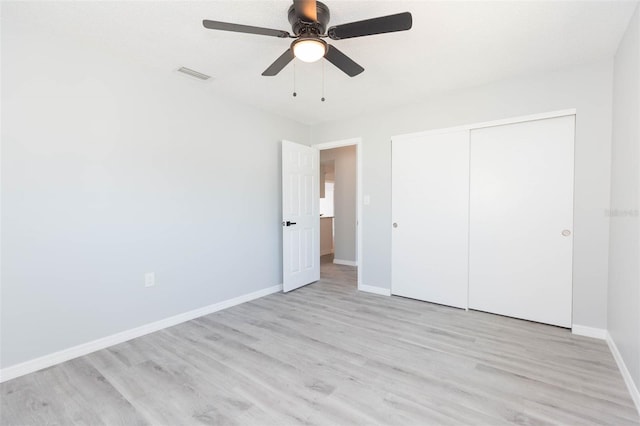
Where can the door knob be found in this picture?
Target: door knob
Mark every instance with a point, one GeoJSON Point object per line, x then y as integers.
{"type": "Point", "coordinates": [288, 223]}
{"type": "Point", "coordinates": [395, 225]}
{"type": "Point", "coordinates": [566, 233]}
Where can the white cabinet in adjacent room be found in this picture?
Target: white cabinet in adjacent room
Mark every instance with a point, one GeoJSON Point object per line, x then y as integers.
{"type": "Point", "coordinates": [326, 235]}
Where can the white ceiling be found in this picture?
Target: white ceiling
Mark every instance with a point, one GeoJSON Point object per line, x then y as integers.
{"type": "Point", "coordinates": [452, 45]}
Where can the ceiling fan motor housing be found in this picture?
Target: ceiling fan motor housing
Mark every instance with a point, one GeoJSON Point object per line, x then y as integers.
{"type": "Point", "coordinates": [300, 26]}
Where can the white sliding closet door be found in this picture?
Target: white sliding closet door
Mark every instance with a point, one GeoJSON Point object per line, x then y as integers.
{"type": "Point", "coordinates": [430, 201]}
{"type": "Point", "coordinates": [521, 220]}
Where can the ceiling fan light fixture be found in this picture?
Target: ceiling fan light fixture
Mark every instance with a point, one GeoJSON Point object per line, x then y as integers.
{"type": "Point", "coordinates": [309, 49]}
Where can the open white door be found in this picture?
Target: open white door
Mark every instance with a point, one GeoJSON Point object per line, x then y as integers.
{"type": "Point", "coordinates": [300, 215]}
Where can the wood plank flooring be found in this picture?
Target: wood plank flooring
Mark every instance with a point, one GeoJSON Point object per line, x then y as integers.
{"type": "Point", "coordinates": [327, 354]}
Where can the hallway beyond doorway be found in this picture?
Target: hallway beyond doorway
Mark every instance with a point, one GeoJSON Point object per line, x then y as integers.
{"type": "Point", "coordinates": [340, 274]}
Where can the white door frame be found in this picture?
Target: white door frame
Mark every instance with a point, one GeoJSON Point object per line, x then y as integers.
{"type": "Point", "coordinates": [358, 144]}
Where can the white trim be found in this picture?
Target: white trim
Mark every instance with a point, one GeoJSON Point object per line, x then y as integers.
{"type": "Point", "coordinates": [583, 330]}
{"type": "Point", "coordinates": [375, 290]}
{"type": "Point", "coordinates": [337, 144]}
{"type": "Point", "coordinates": [33, 365]}
{"type": "Point", "coordinates": [501, 122]}
{"type": "Point", "coordinates": [345, 262]}
{"type": "Point", "coordinates": [326, 252]}
{"type": "Point", "coordinates": [359, 197]}
{"type": "Point", "coordinates": [631, 386]}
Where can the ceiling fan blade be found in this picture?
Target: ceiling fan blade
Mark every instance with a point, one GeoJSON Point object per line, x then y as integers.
{"type": "Point", "coordinates": [225, 26]}
{"type": "Point", "coordinates": [343, 62]}
{"type": "Point", "coordinates": [384, 24]}
{"type": "Point", "coordinates": [279, 63]}
{"type": "Point", "coordinates": [306, 9]}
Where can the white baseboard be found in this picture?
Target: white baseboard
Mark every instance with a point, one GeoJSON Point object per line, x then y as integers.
{"type": "Point", "coordinates": [375, 290]}
{"type": "Point", "coordinates": [631, 386]}
{"type": "Point", "coordinates": [326, 252]}
{"type": "Point", "coordinates": [583, 330]}
{"type": "Point", "coordinates": [345, 262]}
{"type": "Point", "coordinates": [33, 365]}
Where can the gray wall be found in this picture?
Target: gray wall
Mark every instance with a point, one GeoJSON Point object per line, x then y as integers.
{"type": "Point", "coordinates": [624, 257]}
{"type": "Point", "coordinates": [344, 200]}
{"type": "Point", "coordinates": [587, 88]}
{"type": "Point", "coordinates": [110, 171]}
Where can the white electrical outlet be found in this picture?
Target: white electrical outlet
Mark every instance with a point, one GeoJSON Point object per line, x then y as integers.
{"type": "Point", "coordinates": [149, 279]}
{"type": "Point", "coordinates": [367, 200]}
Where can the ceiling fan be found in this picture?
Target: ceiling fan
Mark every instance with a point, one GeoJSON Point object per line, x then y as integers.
{"type": "Point", "coordinates": [309, 19]}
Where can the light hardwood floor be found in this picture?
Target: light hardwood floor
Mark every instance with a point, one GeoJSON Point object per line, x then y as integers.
{"type": "Point", "coordinates": [327, 354]}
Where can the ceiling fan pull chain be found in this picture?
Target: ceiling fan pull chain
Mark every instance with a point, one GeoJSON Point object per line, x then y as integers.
{"type": "Point", "coordinates": [322, 99]}
{"type": "Point", "coordinates": [294, 79]}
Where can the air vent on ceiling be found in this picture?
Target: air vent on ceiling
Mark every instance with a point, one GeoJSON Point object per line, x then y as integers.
{"type": "Point", "coordinates": [193, 73]}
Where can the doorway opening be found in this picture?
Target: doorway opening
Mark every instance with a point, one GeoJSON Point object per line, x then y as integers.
{"type": "Point", "coordinates": [340, 186]}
